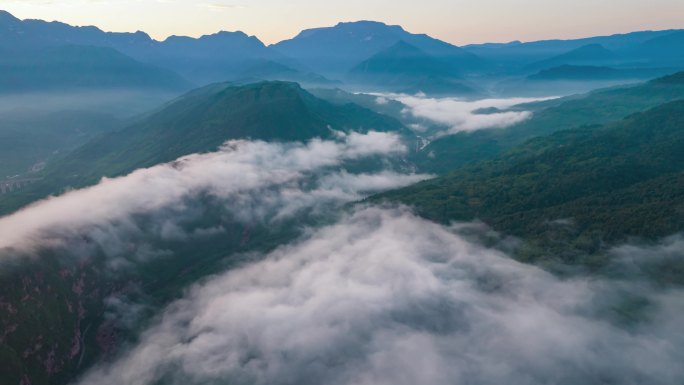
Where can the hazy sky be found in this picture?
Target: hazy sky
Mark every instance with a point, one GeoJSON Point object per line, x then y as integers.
{"type": "Point", "coordinates": [456, 21]}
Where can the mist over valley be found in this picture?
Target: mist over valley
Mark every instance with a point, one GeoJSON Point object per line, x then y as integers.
{"type": "Point", "coordinates": [358, 204]}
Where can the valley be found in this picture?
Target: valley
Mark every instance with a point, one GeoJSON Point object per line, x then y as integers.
{"type": "Point", "coordinates": [358, 204]}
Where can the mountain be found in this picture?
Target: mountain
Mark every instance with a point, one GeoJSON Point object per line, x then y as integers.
{"type": "Point", "coordinates": [592, 73]}
{"type": "Point", "coordinates": [32, 35]}
{"type": "Point", "coordinates": [575, 192]}
{"type": "Point", "coordinates": [204, 119]}
{"type": "Point", "coordinates": [201, 121]}
{"type": "Point", "coordinates": [217, 57]}
{"type": "Point", "coordinates": [585, 55]}
{"type": "Point", "coordinates": [602, 106]}
{"type": "Point", "coordinates": [405, 68]}
{"type": "Point", "coordinates": [270, 70]}
{"type": "Point", "coordinates": [220, 57]}
{"type": "Point", "coordinates": [516, 55]}
{"type": "Point", "coordinates": [668, 49]}
{"type": "Point", "coordinates": [73, 67]}
{"type": "Point", "coordinates": [676, 79]}
{"type": "Point", "coordinates": [402, 59]}
{"type": "Point", "coordinates": [333, 51]}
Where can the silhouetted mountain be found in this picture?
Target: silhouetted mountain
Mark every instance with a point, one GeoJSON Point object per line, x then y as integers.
{"type": "Point", "coordinates": [336, 50]}
{"type": "Point", "coordinates": [516, 54]}
{"type": "Point", "coordinates": [405, 68]}
{"type": "Point", "coordinates": [30, 35]}
{"type": "Point", "coordinates": [217, 57]}
{"type": "Point", "coordinates": [668, 49]}
{"type": "Point", "coordinates": [73, 67]}
{"type": "Point", "coordinates": [7, 21]}
{"type": "Point", "coordinates": [403, 59]}
{"type": "Point", "coordinates": [591, 73]}
{"type": "Point", "coordinates": [585, 55]}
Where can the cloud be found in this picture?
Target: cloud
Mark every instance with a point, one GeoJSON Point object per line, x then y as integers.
{"type": "Point", "coordinates": [383, 297]}
{"type": "Point", "coordinates": [254, 181]}
{"type": "Point", "coordinates": [460, 115]}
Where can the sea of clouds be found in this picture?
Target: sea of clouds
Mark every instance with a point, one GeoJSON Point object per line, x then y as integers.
{"type": "Point", "coordinates": [378, 296]}
{"type": "Point", "coordinates": [256, 181]}
{"type": "Point", "coordinates": [383, 297]}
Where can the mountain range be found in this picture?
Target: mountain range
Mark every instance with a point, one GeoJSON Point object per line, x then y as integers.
{"type": "Point", "coordinates": [336, 50]}
{"type": "Point", "coordinates": [345, 53]}
{"type": "Point", "coordinates": [560, 189]}
{"type": "Point", "coordinates": [586, 172]}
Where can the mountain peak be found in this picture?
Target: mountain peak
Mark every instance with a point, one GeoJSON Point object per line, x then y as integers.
{"type": "Point", "coordinates": [402, 62]}
{"type": "Point", "coordinates": [356, 27]}
{"type": "Point", "coordinates": [229, 33]}
{"type": "Point", "coordinates": [203, 119]}
{"type": "Point", "coordinates": [366, 24]}
{"type": "Point", "coordinates": [231, 37]}
{"type": "Point", "coordinates": [369, 26]}
{"type": "Point", "coordinates": [361, 22]}
{"type": "Point", "coordinates": [6, 17]}
{"type": "Point", "coordinates": [142, 34]}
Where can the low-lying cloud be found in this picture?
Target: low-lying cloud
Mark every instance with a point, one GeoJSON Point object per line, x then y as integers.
{"type": "Point", "coordinates": [255, 181]}
{"type": "Point", "coordinates": [383, 297]}
{"type": "Point", "coordinates": [459, 115]}
{"type": "Point", "coordinates": [378, 297]}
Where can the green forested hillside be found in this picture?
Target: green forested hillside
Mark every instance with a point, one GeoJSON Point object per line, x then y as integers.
{"type": "Point", "coordinates": [199, 122]}
{"type": "Point", "coordinates": [575, 191]}
{"type": "Point", "coordinates": [204, 119]}
{"type": "Point", "coordinates": [61, 328]}
{"type": "Point", "coordinates": [448, 153]}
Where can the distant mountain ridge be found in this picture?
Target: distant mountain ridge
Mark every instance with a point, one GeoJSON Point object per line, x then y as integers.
{"type": "Point", "coordinates": [218, 57]}
{"type": "Point", "coordinates": [320, 56]}
{"type": "Point", "coordinates": [589, 73]}
{"type": "Point", "coordinates": [406, 68]}
{"type": "Point", "coordinates": [539, 50]}
{"type": "Point", "coordinates": [75, 67]}
{"type": "Point", "coordinates": [591, 54]}
{"type": "Point", "coordinates": [201, 121]}
{"type": "Point", "coordinates": [643, 50]}
{"type": "Point", "coordinates": [336, 50]}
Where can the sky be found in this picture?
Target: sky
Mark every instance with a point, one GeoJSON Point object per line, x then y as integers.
{"type": "Point", "coordinates": [456, 21]}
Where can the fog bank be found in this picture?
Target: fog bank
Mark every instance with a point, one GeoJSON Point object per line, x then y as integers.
{"type": "Point", "coordinates": [383, 297]}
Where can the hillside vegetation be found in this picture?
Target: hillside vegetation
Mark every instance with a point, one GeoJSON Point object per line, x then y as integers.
{"type": "Point", "coordinates": [574, 192]}
{"type": "Point", "coordinates": [451, 152]}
